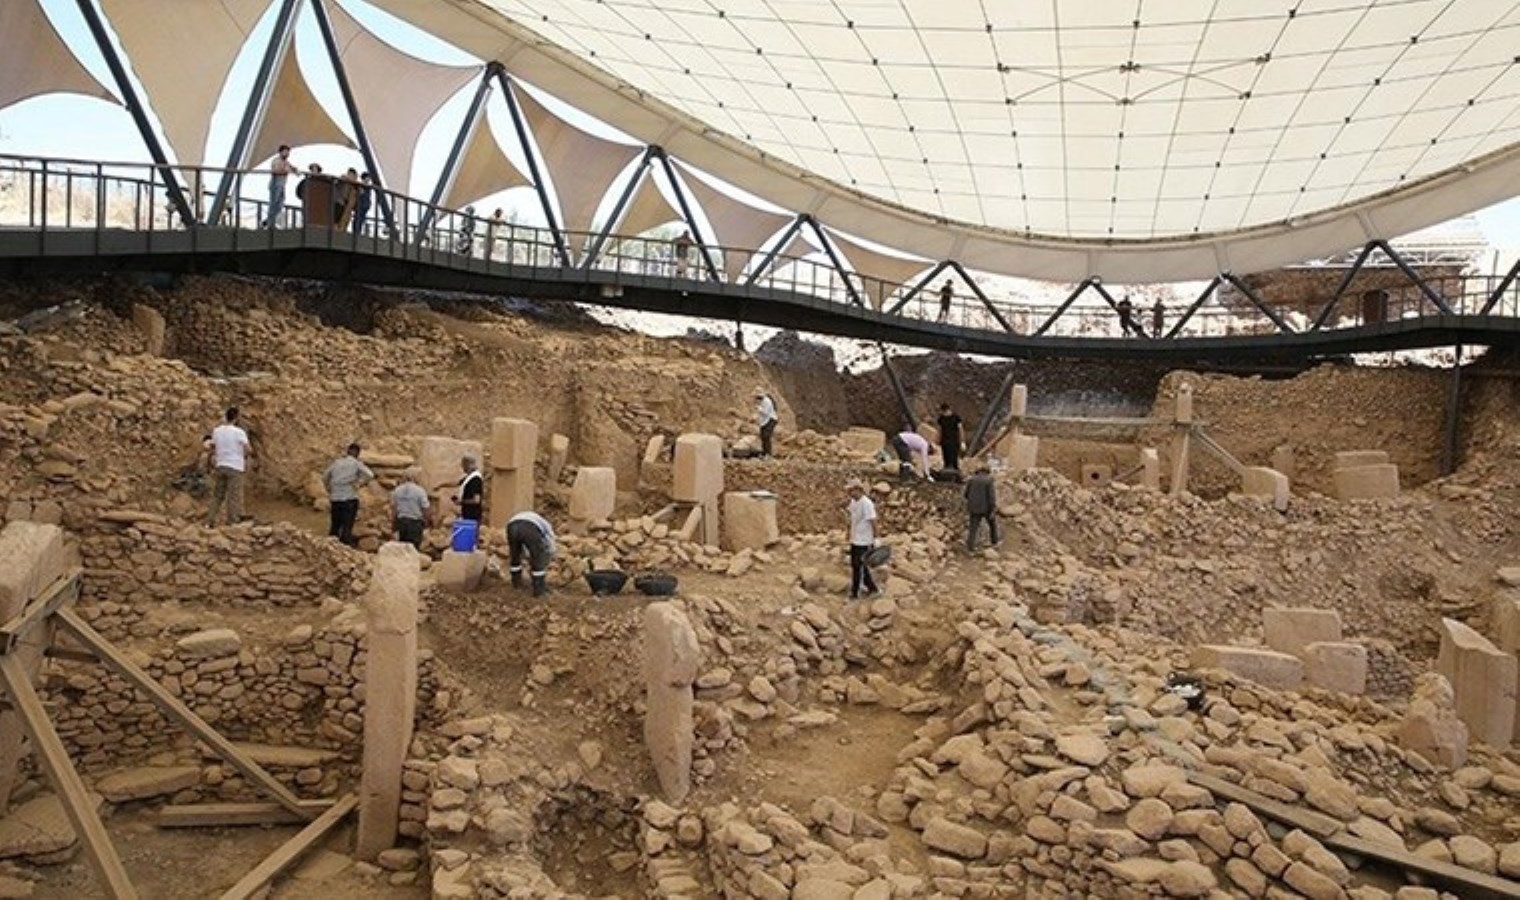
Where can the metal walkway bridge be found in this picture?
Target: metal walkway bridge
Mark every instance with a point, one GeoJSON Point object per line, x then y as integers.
{"type": "Point", "coordinates": [72, 218]}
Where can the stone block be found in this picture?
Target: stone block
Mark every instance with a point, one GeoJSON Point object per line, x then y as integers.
{"type": "Point", "coordinates": [1150, 469]}
{"type": "Point", "coordinates": [150, 322]}
{"type": "Point", "coordinates": [514, 443]}
{"type": "Point", "coordinates": [1506, 631]}
{"type": "Point", "coordinates": [672, 658]}
{"type": "Point", "coordinates": [1355, 459]}
{"type": "Point", "coordinates": [654, 449]}
{"type": "Point", "coordinates": [1260, 481]}
{"type": "Point", "coordinates": [1284, 460]}
{"type": "Point", "coordinates": [1431, 727]}
{"type": "Point", "coordinates": [1021, 451]}
{"type": "Point", "coordinates": [1291, 629]}
{"type": "Point", "coordinates": [749, 520]}
{"type": "Point", "coordinates": [1018, 401]}
{"type": "Point", "coordinates": [32, 556]}
{"type": "Point", "coordinates": [439, 457]}
{"type": "Point", "coordinates": [593, 497]}
{"type": "Point", "coordinates": [1096, 475]}
{"type": "Point", "coordinates": [1379, 482]}
{"type": "Point", "coordinates": [1184, 412]}
{"type": "Point", "coordinates": [559, 454]}
{"type": "Point", "coordinates": [511, 493]}
{"type": "Point", "coordinates": [390, 692]}
{"type": "Point", "coordinates": [1281, 671]}
{"type": "Point", "coordinates": [698, 475]}
{"type": "Point", "coordinates": [863, 442]}
{"type": "Point", "coordinates": [144, 782]}
{"type": "Point", "coordinates": [213, 643]}
{"type": "Point", "coordinates": [1483, 681]}
{"type": "Point", "coordinates": [1336, 666]}
{"type": "Point", "coordinates": [458, 573]}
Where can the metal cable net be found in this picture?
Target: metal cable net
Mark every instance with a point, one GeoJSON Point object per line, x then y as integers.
{"type": "Point", "coordinates": [1081, 120]}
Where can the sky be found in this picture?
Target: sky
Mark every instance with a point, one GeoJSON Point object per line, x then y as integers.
{"type": "Point", "coordinates": [78, 127]}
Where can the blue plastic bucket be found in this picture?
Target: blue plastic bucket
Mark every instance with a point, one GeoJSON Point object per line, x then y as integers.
{"type": "Point", "coordinates": [465, 533]}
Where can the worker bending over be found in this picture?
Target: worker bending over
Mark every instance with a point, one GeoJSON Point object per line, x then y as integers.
{"type": "Point", "coordinates": [530, 533]}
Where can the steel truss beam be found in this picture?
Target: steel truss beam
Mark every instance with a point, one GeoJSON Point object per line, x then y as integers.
{"type": "Point", "coordinates": [787, 234]}
{"type": "Point", "coordinates": [1065, 305]}
{"type": "Point", "coordinates": [834, 260]}
{"type": "Point", "coordinates": [1340, 291]}
{"type": "Point", "coordinates": [366, 149]}
{"type": "Point", "coordinates": [1493, 299]}
{"type": "Point", "coordinates": [530, 151]}
{"type": "Point", "coordinates": [976, 289]}
{"type": "Point", "coordinates": [1203, 298]}
{"type": "Point", "coordinates": [139, 113]}
{"type": "Point", "coordinates": [617, 209]}
{"type": "Point", "coordinates": [473, 117]}
{"type": "Point", "coordinates": [703, 245]}
{"type": "Point", "coordinates": [984, 425]}
{"type": "Point", "coordinates": [1430, 293]}
{"type": "Point", "coordinates": [903, 404]}
{"type": "Point", "coordinates": [256, 107]}
{"type": "Point", "coordinates": [1256, 301]}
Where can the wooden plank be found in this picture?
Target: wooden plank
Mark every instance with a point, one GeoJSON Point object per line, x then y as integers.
{"type": "Point", "coordinates": [65, 779]}
{"type": "Point", "coordinates": [1463, 882]}
{"type": "Point", "coordinates": [291, 850]}
{"type": "Point", "coordinates": [1317, 824]}
{"type": "Point", "coordinates": [174, 709]}
{"type": "Point", "coordinates": [219, 815]}
{"type": "Point", "coordinates": [64, 590]}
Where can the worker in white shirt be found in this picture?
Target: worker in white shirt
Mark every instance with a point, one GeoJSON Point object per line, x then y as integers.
{"type": "Point", "coordinates": [531, 534]}
{"type": "Point", "coordinates": [229, 451]}
{"type": "Point", "coordinates": [862, 513]}
{"type": "Point", "coordinates": [765, 414]}
{"type": "Point", "coordinates": [912, 453]}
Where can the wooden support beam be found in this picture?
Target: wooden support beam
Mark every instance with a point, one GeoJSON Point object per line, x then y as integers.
{"type": "Point", "coordinates": [174, 709]}
{"type": "Point", "coordinates": [220, 815]}
{"type": "Point", "coordinates": [1223, 455]}
{"type": "Point", "coordinates": [292, 850]}
{"type": "Point", "coordinates": [63, 591]}
{"type": "Point", "coordinates": [1333, 834]}
{"type": "Point", "coordinates": [54, 758]}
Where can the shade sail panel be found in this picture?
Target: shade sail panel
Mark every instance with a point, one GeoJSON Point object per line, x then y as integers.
{"type": "Point", "coordinates": [34, 60]}
{"type": "Point", "coordinates": [484, 169]}
{"type": "Point", "coordinates": [737, 227]}
{"type": "Point", "coordinates": [397, 93]}
{"type": "Point", "coordinates": [1048, 140]}
{"type": "Point", "coordinates": [648, 208]}
{"type": "Point", "coordinates": [294, 116]}
{"type": "Point", "coordinates": [182, 58]}
{"type": "Point", "coordinates": [582, 166]}
{"type": "Point", "coordinates": [884, 272]}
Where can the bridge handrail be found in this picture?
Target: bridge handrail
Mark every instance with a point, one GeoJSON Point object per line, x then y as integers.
{"type": "Point", "coordinates": [436, 229]}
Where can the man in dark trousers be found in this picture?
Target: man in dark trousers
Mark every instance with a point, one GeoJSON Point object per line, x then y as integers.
{"type": "Point", "coordinates": [981, 505]}
{"type": "Point", "coordinates": [1126, 317]}
{"type": "Point", "coordinates": [949, 437]}
{"type": "Point", "coordinates": [472, 491]}
{"type": "Point", "coordinates": [1158, 318]}
{"type": "Point", "coordinates": [530, 533]}
{"type": "Point", "coordinates": [946, 294]}
{"type": "Point", "coordinates": [343, 479]}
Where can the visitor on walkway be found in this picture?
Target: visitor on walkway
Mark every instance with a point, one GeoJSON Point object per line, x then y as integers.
{"type": "Point", "coordinates": [346, 199]}
{"type": "Point", "coordinates": [465, 243]}
{"type": "Point", "coordinates": [946, 294]}
{"type": "Point", "coordinates": [470, 498]}
{"type": "Point", "coordinates": [229, 453]}
{"type": "Point", "coordinates": [1126, 311]}
{"type": "Point", "coordinates": [494, 228]}
{"type": "Point", "coordinates": [981, 505]}
{"type": "Point", "coordinates": [862, 517]}
{"type": "Point", "coordinates": [949, 437]}
{"type": "Point", "coordinates": [912, 454]}
{"type": "Point", "coordinates": [683, 253]}
{"type": "Point", "coordinates": [342, 480]}
{"type": "Point", "coordinates": [1158, 318]}
{"type": "Point", "coordinates": [530, 533]}
{"type": "Point", "coordinates": [765, 415]}
{"type": "Point", "coordinates": [362, 201]}
{"type": "Point", "coordinates": [411, 511]}
{"type": "Point", "coordinates": [279, 173]}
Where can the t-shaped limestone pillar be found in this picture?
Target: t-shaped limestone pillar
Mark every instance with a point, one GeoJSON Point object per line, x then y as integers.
{"type": "Point", "coordinates": [514, 448]}
{"type": "Point", "coordinates": [593, 496]}
{"type": "Point", "coordinates": [1150, 469]}
{"type": "Point", "coordinates": [1483, 679]}
{"type": "Point", "coordinates": [390, 693]}
{"type": "Point", "coordinates": [698, 478]}
{"type": "Point", "coordinates": [672, 657]}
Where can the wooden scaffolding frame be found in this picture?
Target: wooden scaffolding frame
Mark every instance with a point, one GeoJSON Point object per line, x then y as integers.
{"type": "Point", "coordinates": [37, 626]}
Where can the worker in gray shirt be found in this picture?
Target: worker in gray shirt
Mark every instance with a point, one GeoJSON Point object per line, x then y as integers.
{"type": "Point", "coordinates": [530, 533]}
{"type": "Point", "coordinates": [411, 510]}
{"type": "Point", "coordinates": [981, 504]}
{"type": "Point", "coordinates": [343, 479]}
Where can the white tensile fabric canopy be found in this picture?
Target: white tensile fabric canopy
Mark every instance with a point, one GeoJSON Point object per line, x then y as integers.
{"type": "Point", "coordinates": [397, 93]}
{"type": "Point", "coordinates": [884, 272]}
{"type": "Point", "coordinates": [581, 166]}
{"type": "Point", "coordinates": [484, 168]}
{"type": "Point", "coordinates": [648, 208]}
{"type": "Point", "coordinates": [294, 116]}
{"type": "Point", "coordinates": [1052, 140]}
{"type": "Point", "coordinates": [34, 59]}
{"type": "Point", "coordinates": [182, 58]}
{"type": "Point", "coordinates": [737, 227]}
